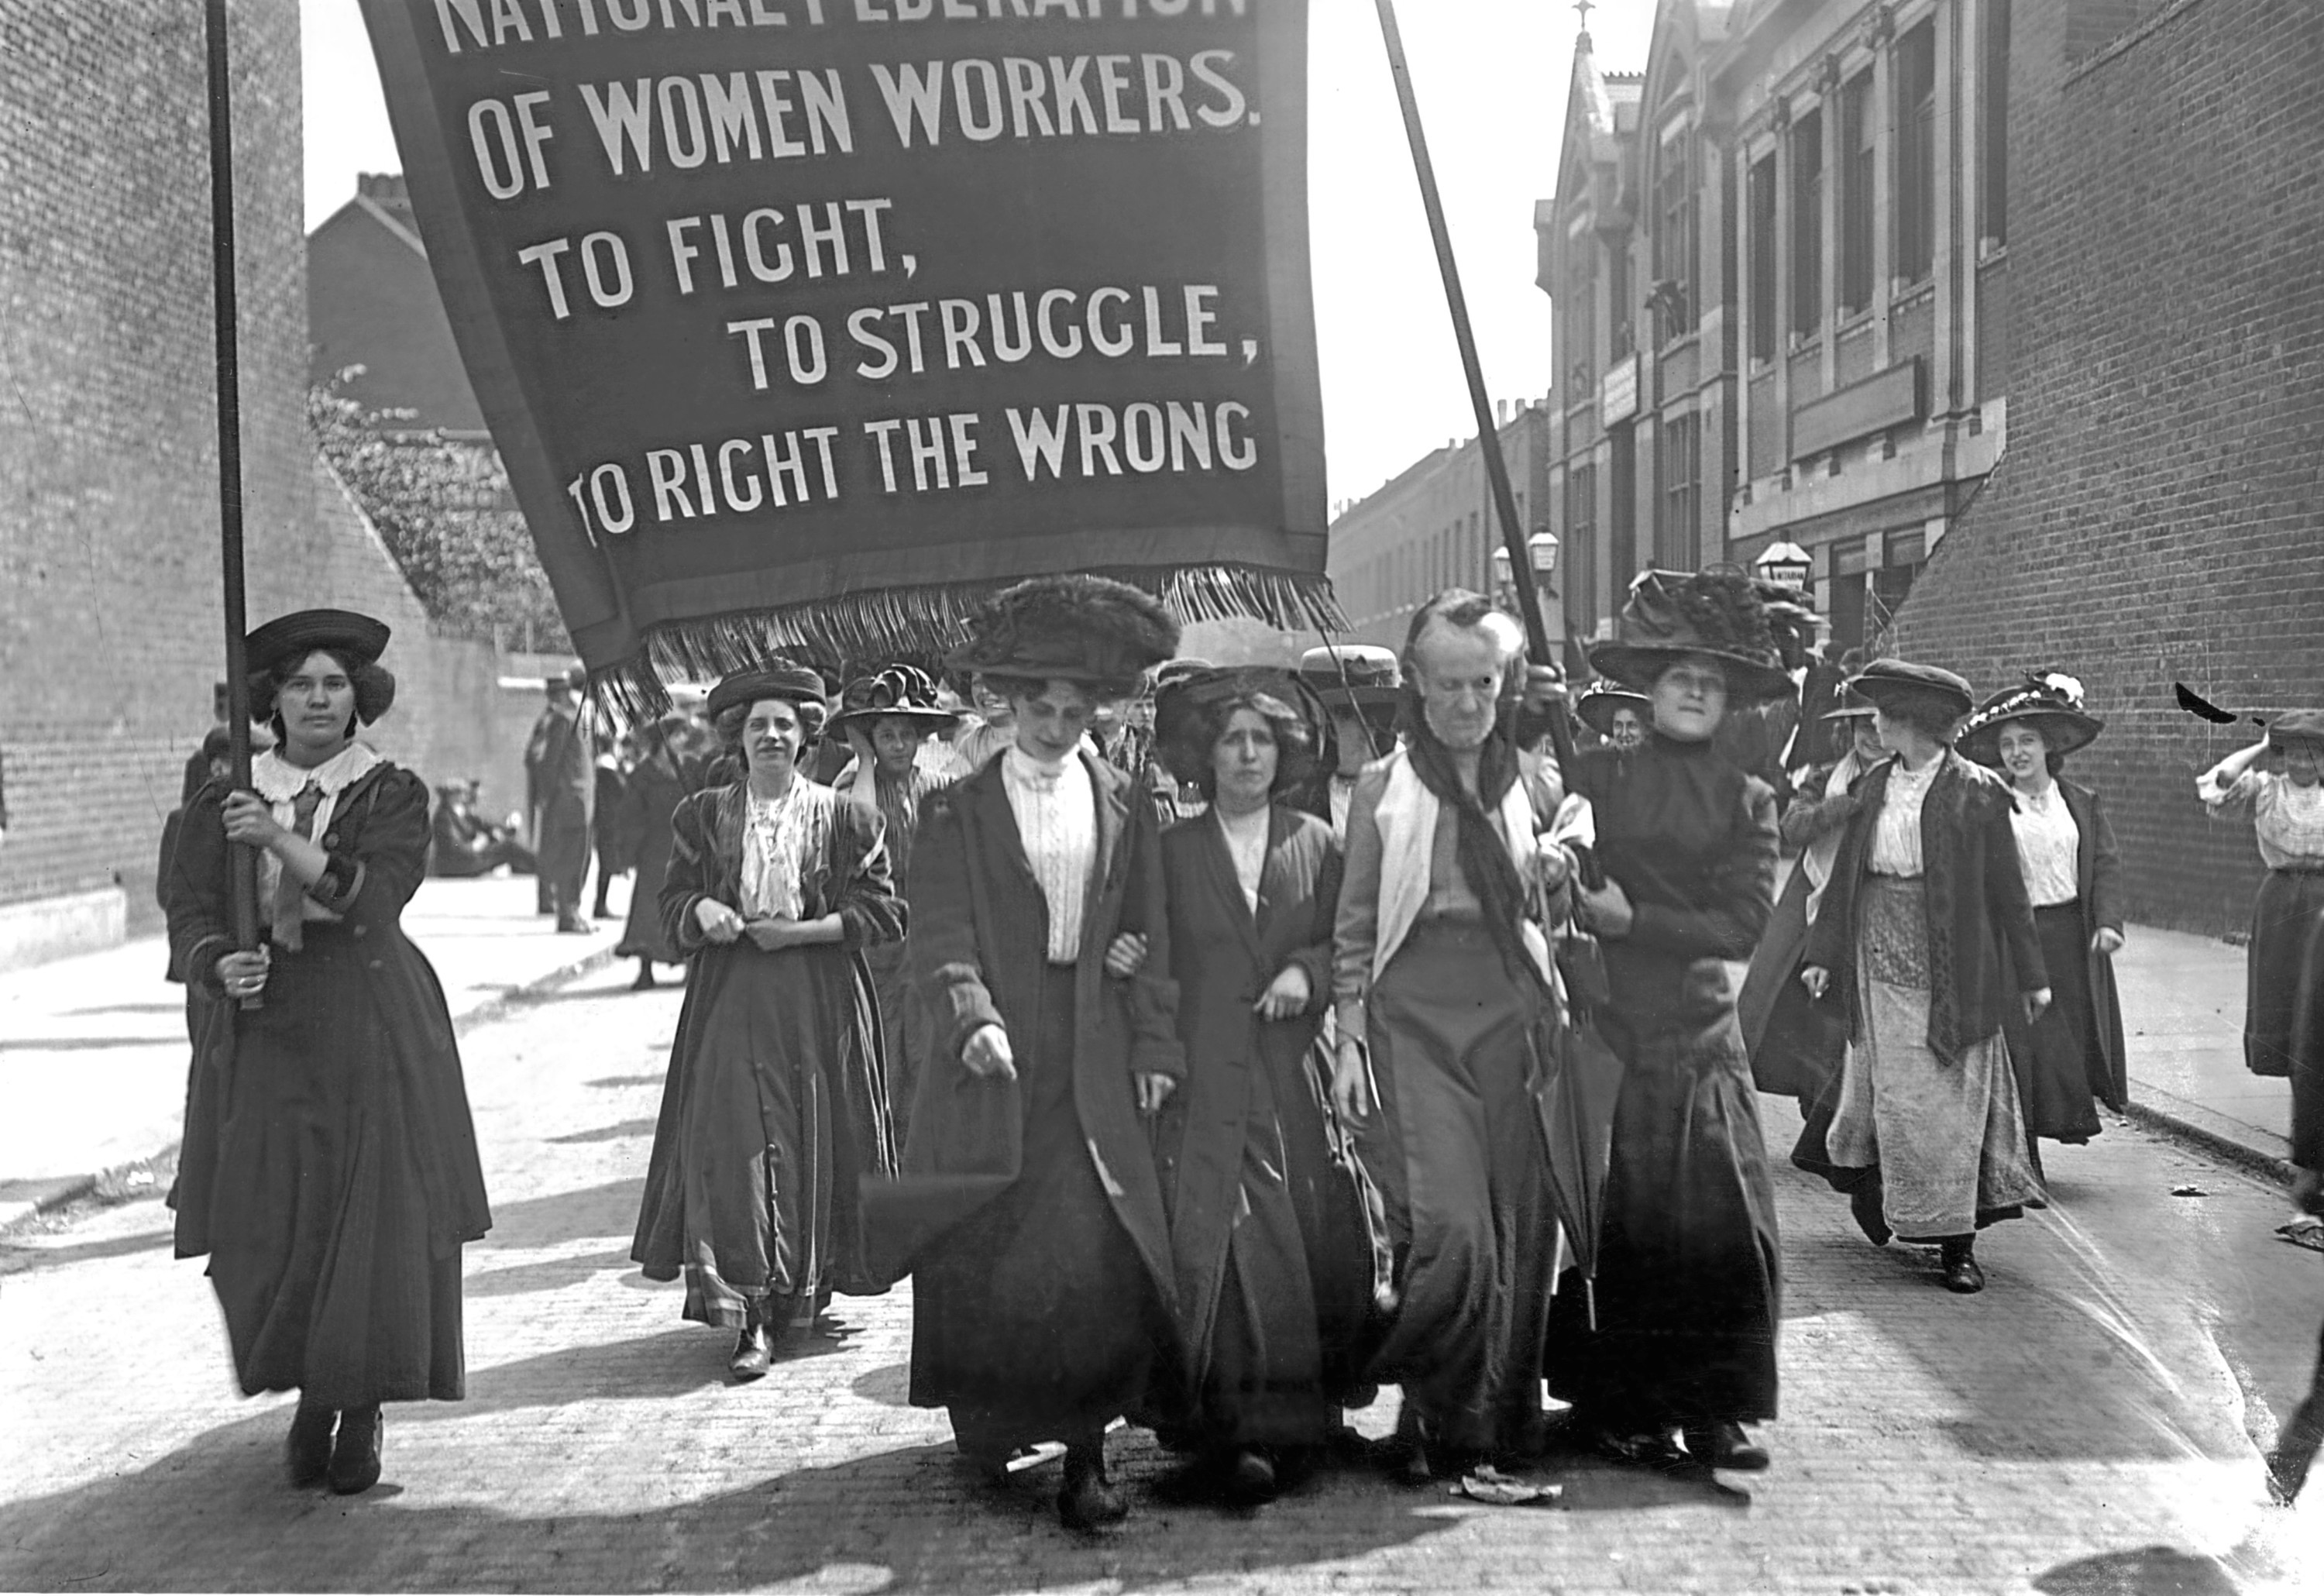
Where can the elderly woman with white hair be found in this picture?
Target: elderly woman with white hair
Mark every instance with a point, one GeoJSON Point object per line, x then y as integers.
{"type": "Point", "coordinates": [1440, 972]}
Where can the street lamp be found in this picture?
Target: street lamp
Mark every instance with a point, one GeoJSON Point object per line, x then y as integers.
{"type": "Point", "coordinates": [1785, 565]}
{"type": "Point", "coordinates": [1541, 553]}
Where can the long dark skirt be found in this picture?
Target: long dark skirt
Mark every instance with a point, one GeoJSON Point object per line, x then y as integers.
{"type": "Point", "coordinates": [318, 1222]}
{"type": "Point", "coordinates": [1286, 1346]}
{"type": "Point", "coordinates": [2059, 1063]}
{"type": "Point", "coordinates": [1456, 1150]}
{"type": "Point", "coordinates": [2284, 1011]}
{"type": "Point", "coordinates": [1035, 1319]}
{"type": "Point", "coordinates": [1689, 1263]}
{"type": "Point", "coordinates": [751, 1190]}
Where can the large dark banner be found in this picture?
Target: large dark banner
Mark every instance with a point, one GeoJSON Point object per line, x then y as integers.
{"type": "Point", "coordinates": [798, 322]}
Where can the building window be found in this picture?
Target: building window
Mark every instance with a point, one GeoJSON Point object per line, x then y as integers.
{"type": "Point", "coordinates": [1674, 242]}
{"type": "Point", "coordinates": [1678, 468]}
{"type": "Point", "coordinates": [1856, 159]}
{"type": "Point", "coordinates": [1761, 204]}
{"type": "Point", "coordinates": [1807, 225]}
{"type": "Point", "coordinates": [1582, 316]}
{"type": "Point", "coordinates": [1993, 95]}
{"type": "Point", "coordinates": [1580, 548]}
{"type": "Point", "coordinates": [1916, 80]}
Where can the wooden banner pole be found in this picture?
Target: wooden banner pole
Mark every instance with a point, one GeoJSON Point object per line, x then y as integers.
{"type": "Point", "coordinates": [1489, 435]}
{"type": "Point", "coordinates": [242, 862]}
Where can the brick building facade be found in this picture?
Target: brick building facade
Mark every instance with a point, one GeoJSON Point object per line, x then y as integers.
{"type": "Point", "coordinates": [2158, 514]}
{"type": "Point", "coordinates": [110, 618]}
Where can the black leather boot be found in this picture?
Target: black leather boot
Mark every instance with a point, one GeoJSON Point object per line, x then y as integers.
{"type": "Point", "coordinates": [1961, 1273]}
{"type": "Point", "coordinates": [355, 1461]}
{"type": "Point", "coordinates": [306, 1453]}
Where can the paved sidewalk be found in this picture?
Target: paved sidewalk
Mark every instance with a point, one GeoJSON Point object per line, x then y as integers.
{"type": "Point", "coordinates": [93, 1049]}
{"type": "Point", "coordinates": [2182, 1019]}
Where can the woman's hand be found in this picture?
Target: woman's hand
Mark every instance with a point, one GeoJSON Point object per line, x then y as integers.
{"type": "Point", "coordinates": [249, 821]}
{"type": "Point", "coordinates": [1607, 912]}
{"type": "Point", "coordinates": [2036, 1003]}
{"type": "Point", "coordinates": [770, 934]}
{"type": "Point", "coordinates": [2106, 941]}
{"type": "Point", "coordinates": [1351, 1083]}
{"type": "Point", "coordinates": [1289, 994]}
{"type": "Point", "coordinates": [1816, 979]}
{"type": "Point", "coordinates": [243, 975]}
{"type": "Point", "coordinates": [1153, 1092]}
{"type": "Point", "coordinates": [1126, 954]}
{"type": "Point", "coordinates": [987, 1056]}
{"type": "Point", "coordinates": [719, 923]}
{"type": "Point", "coordinates": [1552, 866]}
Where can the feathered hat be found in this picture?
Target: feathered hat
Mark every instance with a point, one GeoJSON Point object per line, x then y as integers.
{"type": "Point", "coordinates": [1076, 628]}
{"type": "Point", "coordinates": [1670, 614]}
{"type": "Point", "coordinates": [2050, 700]}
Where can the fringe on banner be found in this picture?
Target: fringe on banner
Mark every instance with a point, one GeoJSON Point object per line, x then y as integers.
{"type": "Point", "coordinates": [843, 635]}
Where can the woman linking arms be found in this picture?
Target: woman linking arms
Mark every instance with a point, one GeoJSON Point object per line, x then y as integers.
{"type": "Point", "coordinates": [1272, 1298]}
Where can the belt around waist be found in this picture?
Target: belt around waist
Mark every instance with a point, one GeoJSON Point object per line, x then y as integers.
{"type": "Point", "coordinates": [2073, 902]}
{"type": "Point", "coordinates": [2317, 867]}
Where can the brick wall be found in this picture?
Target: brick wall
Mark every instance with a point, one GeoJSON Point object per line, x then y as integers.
{"type": "Point", "coordinates": [111, 630]}
{"type": "Point", "coordinates": [2158, 514]}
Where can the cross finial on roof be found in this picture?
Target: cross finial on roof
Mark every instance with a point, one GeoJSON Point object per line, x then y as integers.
{"type": "Point", "coordinates": [1582, 8]}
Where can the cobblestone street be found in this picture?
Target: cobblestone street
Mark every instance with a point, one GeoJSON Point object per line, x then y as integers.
{"type": "Point", "coordinates": [2087, 1425]}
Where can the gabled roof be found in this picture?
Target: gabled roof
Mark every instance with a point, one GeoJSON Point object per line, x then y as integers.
{"type": "Point", "coordinates": [1602, 109]}
{"type": "Point", "coordinates": [384, 200]}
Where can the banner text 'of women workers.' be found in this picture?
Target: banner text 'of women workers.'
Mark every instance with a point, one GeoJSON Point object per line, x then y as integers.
{"type": "Point", "coordinates": [779, 306]}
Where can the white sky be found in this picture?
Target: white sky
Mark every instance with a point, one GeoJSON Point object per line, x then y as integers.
{"type": "Point", "coordinates": [1492, 80]}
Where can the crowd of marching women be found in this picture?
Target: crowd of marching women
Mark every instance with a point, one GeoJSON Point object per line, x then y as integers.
{"type": "Point", "coordinates": [1214, 1065]}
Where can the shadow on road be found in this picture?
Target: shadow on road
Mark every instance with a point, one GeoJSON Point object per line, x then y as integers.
{"type": "Point", "coordinates": [215, 1515]}
{"type": "Point", "coordinates": [622, 1131]}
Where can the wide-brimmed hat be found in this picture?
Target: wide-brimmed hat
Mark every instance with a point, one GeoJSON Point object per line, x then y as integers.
{"type": "Point", "coordinates": [1595, 707]}
{"type": "Point", "coordinates": [1076, 628]}
{"type": "Point", "coordinates": [1181, 708]}
{"type": "Point", "coordinates": [1670, 614]}
{"type": "Point", "coordinates": [358, 638]}
{"type": "Point", "coordinates": [2049, 701]}
{"type": "Point", "coordinates": [794, 683]}
{"type": "Point", "coordinates": [899, 692]}
{"type": "Point", "coordinates": [1883, 680]}
{"type": "Point", "coordinates": [2296, 725]}
{"type": "Point", "coordinates": [1363, 675]}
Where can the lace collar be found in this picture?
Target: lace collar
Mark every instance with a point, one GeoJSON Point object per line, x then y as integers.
{"type": "Point", "coordinates": [278, 781]}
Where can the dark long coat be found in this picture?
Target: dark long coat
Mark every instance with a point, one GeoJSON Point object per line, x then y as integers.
{"type": "Point", "coordinates": [1244, 1154]}
{"type": "Point", "coordinates": [978, 946]}
{"type": "Point", "coordinates": [1689, 1289]}
{"type": "Point", "coordinates": [329, 1166]}
{"type": "Point", "coordinates": [1980, 921]}
{"type": "Point", "coordinates": [2098, 881]}
{"type": "Point", "coordinates": [711, 1103]}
